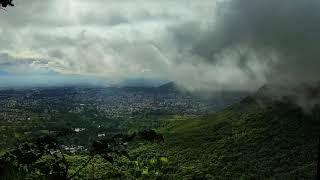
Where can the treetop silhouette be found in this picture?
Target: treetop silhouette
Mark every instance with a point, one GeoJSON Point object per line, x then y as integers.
{"type": "Point", "coordinates": [5, 3]}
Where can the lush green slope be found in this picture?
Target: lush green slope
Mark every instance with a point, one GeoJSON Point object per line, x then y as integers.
{"type": "Point", "coordinates": [243, 141]}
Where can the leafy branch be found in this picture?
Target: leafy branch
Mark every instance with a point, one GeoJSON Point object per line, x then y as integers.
{"type": "Point", "coordinates": [26, 155]}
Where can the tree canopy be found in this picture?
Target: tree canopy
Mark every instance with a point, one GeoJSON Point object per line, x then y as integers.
{"type": "Point", "coordinates": [5, 3]}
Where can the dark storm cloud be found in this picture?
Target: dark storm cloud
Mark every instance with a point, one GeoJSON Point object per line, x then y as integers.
{"type": "Point", "coordinates": [283, 33]}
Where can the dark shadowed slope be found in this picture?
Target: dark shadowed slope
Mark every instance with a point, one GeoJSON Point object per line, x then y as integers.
{"type": "Point", "coordinates": [243, 141]}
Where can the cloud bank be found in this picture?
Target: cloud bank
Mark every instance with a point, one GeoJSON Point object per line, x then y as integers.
{"type": "Point", "coordinates": [284, 34]}
{"type": "Point", "coordinates": [201, 45]}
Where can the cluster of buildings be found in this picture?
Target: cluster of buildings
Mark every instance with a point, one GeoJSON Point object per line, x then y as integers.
{"type": "Point", "coordinates": [125, 103]}
{"type": "Point", "coordinates": [111, 102]}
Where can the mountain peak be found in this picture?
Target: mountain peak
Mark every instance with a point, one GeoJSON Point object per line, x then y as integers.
{"type": "Point", "coordinates": [170, 86]}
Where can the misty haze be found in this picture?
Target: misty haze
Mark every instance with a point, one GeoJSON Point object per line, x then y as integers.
{"type": "Point", "coordinates": [170, 89]}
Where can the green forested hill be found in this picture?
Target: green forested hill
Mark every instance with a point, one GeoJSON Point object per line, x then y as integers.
{"type": "Point", "coordinates": [243, 141]}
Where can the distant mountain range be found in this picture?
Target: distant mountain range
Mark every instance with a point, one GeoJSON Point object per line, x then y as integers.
{"type": "Point", "coordinates": [170, 86]}
{"type": "Point", "coordinates": [141, 82]}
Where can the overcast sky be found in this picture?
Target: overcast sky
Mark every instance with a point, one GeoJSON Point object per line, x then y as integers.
{"type": "Point", "coordinates": [206, 44]}
{"type": "Point", "coordinates": [109, 38]}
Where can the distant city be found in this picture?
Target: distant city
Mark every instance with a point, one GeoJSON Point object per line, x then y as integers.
{"type": "Point", "coordinates": [111, 102]}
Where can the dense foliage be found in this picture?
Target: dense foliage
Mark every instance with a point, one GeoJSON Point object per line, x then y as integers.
{"type": "Point", "coordinates": [45, 158]}
{"type": "Point", "coordinates": [244, 141]}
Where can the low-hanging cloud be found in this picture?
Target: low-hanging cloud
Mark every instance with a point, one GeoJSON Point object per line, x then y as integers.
{"type": "Point", "coordinates": [284, 34]}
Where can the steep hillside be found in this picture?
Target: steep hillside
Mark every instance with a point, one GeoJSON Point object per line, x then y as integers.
{"type": "Point", "coordinates": [243, 141]}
